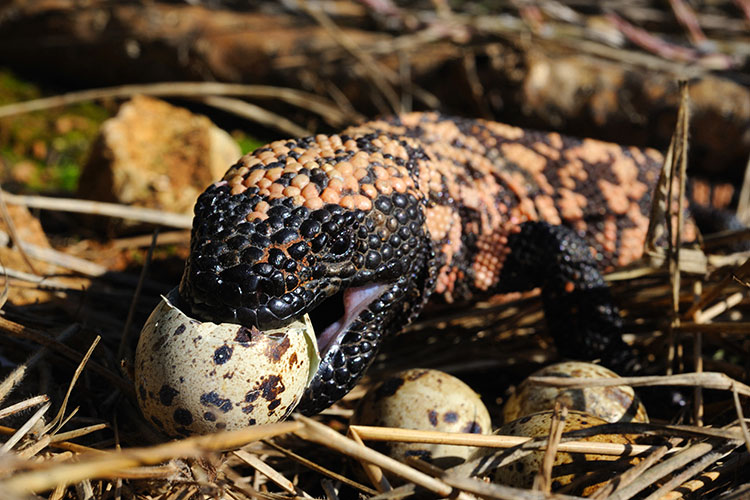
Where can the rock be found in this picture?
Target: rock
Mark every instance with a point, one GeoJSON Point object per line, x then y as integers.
{"type": "Point", "coordinates": [29, 231]}
{"type": "Point", "coordinates": [156, 155]}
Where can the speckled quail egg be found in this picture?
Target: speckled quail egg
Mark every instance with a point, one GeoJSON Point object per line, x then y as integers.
{"type": "Point", "coordinates": [613, 404]}
{"type": "Point", "coordinates": [197, 377]}
{"type": "Point", "coordinates": [425, 400]}
{"type": "Point", "coordinates": [567, 466]}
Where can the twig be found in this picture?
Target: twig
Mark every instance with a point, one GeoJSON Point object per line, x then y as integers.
{"type": "Point", "coordinates": [374, 473]}
{"type": "Point", "coordinates": [41, 338]}
{"type": "Point", "coordinates": [500, 492]}
{"type": "Point", "coordinates": [370, 65]}
{"type": "Point", "coordinates": [632, 474]}
{"type": "Point", "coordinates": [255, 113]}
{"type": "Point", "coordinates": [543, 478]}
{"type": "Point", "coordinates": [305, 100]}
{"type": "Point", "coordinates": [57, 422]}
{"type": "Point", "coordinates": [369, 433]}
{"type": "Point", "coordinates": [103, 464]}
{"type": "Point", "coordinates": [661, 469]}
{"type": "Point", "coordinates": [146, 215]}
{"type": "Point", "coordinates": [19, 373]}
{"type": "Point", "coordinates": [26, 427]}
{"type": "Point", "coordinates": [319, 433]}
{"type": "Point", "coordinates": [700, 465]}
{"type": "Point", "coordinates": [13, 233]}
{"type": "Point", "coordinates": [126, 334]}
{"type": "Point", "coordinates": [61, 259]}
{"type": "Point", "coordinates": [318, 468]}
{"type": "Point", "coordinates": [741, 418]}
{"type": "Point", "coordinates": [707, 380]}
{"type": "Point", "coordinates": [265, 469]}
{"type": "Point", "coordinates": [23, 405]}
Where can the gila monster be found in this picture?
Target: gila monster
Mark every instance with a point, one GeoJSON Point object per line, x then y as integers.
{"type": "Point", "coordinates": [393, 212]}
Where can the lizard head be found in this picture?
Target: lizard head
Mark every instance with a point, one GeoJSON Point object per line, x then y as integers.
{"type": "Point", "coordinates": [358, 266]}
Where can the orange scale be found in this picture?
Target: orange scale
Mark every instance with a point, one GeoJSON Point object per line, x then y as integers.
{"type": "Point", "coordinates": [335, 184]}
{"type": "Point", "coordinates": [292, 191]}
{"type": "Point", "coordinates": [310, 191]}
{"type": "Point", "coordinates": [276, 196]}
{"type": "Point", "coordinates": [238, 189]}
{"type": "Point", "coordinates": [253, 177]}
{"type": "Point", "coordinates": [256, 216]}
{"type": "Point", "coordinates": [345, 168]}
{"type": "Point", "coordinates": [314, 203]}
{"type": "Point", "coordinates": [380, 172]}
{"type": "Point", "coordinates": [351, 184]}
{"type": "Point", "coordinates": [264, 192]}
{"type": "Point", "coordinates": [335, 141]}
{"type": "Point", "coordinates": [292, 165]}
{"type": "Point", "coordinates": [330, 195]}
{"type": "Point", "coordinates": [350, 145]}
{"type": "Point", "coordinates": [368, 190]}
{"type": "Point", "coordinates": [398, 185]}
{"type": "Point", "coordinates": [274, 173]}
{"type": "Point", "coordinates": [250, 161]}
{"type": "Point", "coordinates": [346, 202]}
{"type": "Point", "coordinates": [262, 206]}
{"type": "Point", "coordinates": [264, 183]}
{"type": "Point", "coordinates": [300, 181]}
{"type": "Point", "coordinates": [384, 186]}
{"type": "Point", "coordinates": [362, 202]}
{"type": "Point", "coordinates": [277, 189]}
{"type": "Point", "coordinates": [298, 200]}
{"type": "Point", "coordinates": [360, 173]}
{"type": "Point", "coordinates": [361, 156]}
{"type": "Point", "coordinates": [360, 162]}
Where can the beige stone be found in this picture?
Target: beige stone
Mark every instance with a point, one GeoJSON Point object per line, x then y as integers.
{"type": "Point", "coordinates": [156, 155]}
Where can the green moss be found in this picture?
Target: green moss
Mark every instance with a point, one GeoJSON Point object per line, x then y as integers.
{"type": "Point", "coordinates": [13, 89]}
{"type": "Point", "coordinates": [247, 143]}
{"type": "Point", "coordinates": [44, 151]}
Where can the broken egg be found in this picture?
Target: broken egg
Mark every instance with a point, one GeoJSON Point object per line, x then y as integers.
{"type": "Point", "coordinates": [424, 399]}
{"type": "Point", "coordinates": [196, 377]}
{"type": "Point", "coordinates": [613, 404]}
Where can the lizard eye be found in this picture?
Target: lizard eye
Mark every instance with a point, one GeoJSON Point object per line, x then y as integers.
{"type": "Point", "coordinates": [340, 245]}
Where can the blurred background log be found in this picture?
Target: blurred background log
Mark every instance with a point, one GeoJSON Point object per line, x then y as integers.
{"type": "Point", "coordinates": [582, 68]}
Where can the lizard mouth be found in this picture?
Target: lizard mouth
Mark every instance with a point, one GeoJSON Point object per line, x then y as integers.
{"type": "Point", "coordinates": [333, 317]}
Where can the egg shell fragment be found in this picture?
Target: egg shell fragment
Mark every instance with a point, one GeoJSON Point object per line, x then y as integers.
{"type": "Point", "coordinates": [425, 399]}
{"type": "Point", "coordinates": [197, 377]}
{"type": "Point", "coordinates": [567, 466]}
{"type": "Point", "coordinates": [613, 404]}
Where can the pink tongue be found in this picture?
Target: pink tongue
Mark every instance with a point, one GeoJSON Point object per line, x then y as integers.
{"type": "Point", "coordinates": [356, 300]}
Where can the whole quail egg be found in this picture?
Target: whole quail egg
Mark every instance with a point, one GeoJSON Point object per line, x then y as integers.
{"type": "Point", "coordinates": [197, 377]}
{"type": "Point", "coordinates": [613, 404]}
{"type": "Point", "coordinates": [567, 466]}
{"type": "Point", "coordinates": [425, 400]}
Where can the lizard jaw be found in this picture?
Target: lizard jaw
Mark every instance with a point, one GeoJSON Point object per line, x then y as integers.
{"type": "Point", "coordinates": [356, 300]}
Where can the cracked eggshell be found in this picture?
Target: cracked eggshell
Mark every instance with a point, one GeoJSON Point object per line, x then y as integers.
{"type": "Point", "coordinates": [197, 377]}
{"type": "Point", "coordinates": [425, 400]}
{"type": "Point", "coordinates": [613, 404]}
{"type": "Point", "coordinates": [567, 466]}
